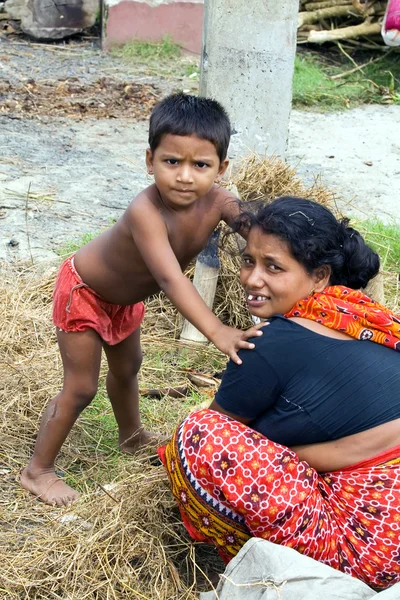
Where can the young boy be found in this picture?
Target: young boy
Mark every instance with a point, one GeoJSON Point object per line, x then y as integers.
{"type": "Point", "coordinates": [98, 299]}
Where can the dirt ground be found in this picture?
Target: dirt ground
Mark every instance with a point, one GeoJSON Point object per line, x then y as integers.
{"type": "Point", "coordinates": [73, 125]}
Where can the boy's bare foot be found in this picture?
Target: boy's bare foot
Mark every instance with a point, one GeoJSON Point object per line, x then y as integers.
{"type": "Point", "coordinates": [49, 488]}
{"type": "Point", "coordinates": [137, 440]}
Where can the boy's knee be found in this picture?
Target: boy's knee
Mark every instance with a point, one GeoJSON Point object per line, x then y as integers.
{"type": "Point", "coordinates": [137, 362]}
{"type": "Point", "coordinates": [84, 395]}
{"type": "Point", "coordinates": [128, 369]}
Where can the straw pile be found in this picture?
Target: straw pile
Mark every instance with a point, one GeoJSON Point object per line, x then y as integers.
{"type": "Point", "coordinates": [125, 538]}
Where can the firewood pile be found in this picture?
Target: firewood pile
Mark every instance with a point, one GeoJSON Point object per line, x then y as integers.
{"type": "Point", "coordinates": [335, 20]}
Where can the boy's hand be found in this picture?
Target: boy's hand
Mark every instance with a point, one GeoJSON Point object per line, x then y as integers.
{"type": "Point", "coordinates": [230, 340]}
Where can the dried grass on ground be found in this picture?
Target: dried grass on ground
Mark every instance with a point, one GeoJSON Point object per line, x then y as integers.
{"type": "Point", "coordinates": [125, 538]}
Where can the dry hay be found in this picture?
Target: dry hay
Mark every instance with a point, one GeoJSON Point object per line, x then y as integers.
{"type": "Point", "coordinates": [267, 178]}
{"type": "Point", "coordinates": [125, 538]}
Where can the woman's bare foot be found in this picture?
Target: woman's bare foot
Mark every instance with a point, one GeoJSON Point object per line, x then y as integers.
{"type": "Point", "coordinates": [48, 488]}
{"type": "Point", "coordinates": [137, 440]}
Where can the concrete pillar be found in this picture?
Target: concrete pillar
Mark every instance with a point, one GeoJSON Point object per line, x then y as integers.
{"type": "Point", "coordinates": [247, 64]}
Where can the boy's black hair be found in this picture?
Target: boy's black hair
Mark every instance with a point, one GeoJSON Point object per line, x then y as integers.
{"type": "Point", "coordinates": [181, 114]}
{"type": "Point", "coordinates": [315, 237]}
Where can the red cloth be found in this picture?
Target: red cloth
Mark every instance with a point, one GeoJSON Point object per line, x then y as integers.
{"type": "Point", "coordinates": [352, 312]}
{"type": "Point", "coordinates": [392, 20]}
{"type": "Point", "coordinates": [76, 308]}
{"type": "Point", "coordinates": [232, 483]}
{"type": "Point", "coordinates": [391, 24]}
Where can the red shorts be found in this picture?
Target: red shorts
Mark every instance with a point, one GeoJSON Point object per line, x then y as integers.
{"type": "Point", "coordinates": [76, 307]}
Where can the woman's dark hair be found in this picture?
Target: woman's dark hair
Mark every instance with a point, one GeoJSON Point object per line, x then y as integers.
{"type": "Point", "coordinates": [181, 114]}
{"type": "Point", "coordinates": [315, 238]}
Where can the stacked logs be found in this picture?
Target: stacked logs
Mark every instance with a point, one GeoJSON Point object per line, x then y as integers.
{"type": "Point", "coordinates": [334, 20]}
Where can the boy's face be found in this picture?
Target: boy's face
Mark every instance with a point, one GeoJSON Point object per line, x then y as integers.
{"type": "Point", "coordinates": [185, 168]}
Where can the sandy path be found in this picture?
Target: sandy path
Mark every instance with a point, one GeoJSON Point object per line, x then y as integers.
{"type": "Point", "coordinates": [356, 152]}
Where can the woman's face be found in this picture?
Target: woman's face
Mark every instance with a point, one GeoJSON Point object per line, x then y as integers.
{"type": "Point", "coordinates": [272, 279]}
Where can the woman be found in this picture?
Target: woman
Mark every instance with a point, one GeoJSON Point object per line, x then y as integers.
{"type": "Point", "coordinates": [301, 445]}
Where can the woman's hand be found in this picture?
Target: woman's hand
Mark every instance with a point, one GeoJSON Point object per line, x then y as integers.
{"type": "Point", "coordinates": [229, 340]}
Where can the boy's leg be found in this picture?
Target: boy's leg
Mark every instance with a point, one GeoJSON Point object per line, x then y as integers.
{"type": "Point", "coordinates": [124, 360]}
{"type": "Point", "coordinates": [81, 355]}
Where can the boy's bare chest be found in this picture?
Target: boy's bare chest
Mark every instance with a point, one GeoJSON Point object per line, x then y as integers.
{"type": "Point", "coordinates": [188, 236]}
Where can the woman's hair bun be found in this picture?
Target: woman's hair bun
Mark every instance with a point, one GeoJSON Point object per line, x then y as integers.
{"type": "Point", "coordinates": [361, 263]}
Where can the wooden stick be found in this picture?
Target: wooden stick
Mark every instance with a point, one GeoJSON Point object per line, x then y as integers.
{"type": "Point", "coordinates": [323, 13]}
{"type": "Point", "coordinates": [358, 7]}
{"type": "Point", "coordinates": [309, 27]}
{"type": "Point", "coordinates": [319, 37]}
{"type": "Point", "coordinates": [205, 281]}
{"type": "Point", "coordinates": [369, 8]}
{"type": "Point", "coordinates": [311, 6]}
{"type": "Point", "coordinates": [369, 45]}
{"type": "Point", "coordinates": [343, 51]}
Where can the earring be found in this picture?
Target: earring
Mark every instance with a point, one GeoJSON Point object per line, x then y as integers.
{"type": "Point", "coordinates": [312, 292]}
{"type": "Point", "coordinates": [150, 172]}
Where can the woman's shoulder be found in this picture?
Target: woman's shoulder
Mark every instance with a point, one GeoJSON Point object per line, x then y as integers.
{"type": "Point", "coordinates": [279, 323]}
{"type": "Point", "coordinates": [301, 327]}
{"type": "Point", "coordinates": [292, 333]}
{"type": "Point", "coordinates": [279, 330]}
{"type": "Point", "coordinates": [298, 336]}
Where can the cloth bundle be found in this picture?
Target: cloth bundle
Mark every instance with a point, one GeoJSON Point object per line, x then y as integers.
{"type": "Point", "coordinates": [266, 571]}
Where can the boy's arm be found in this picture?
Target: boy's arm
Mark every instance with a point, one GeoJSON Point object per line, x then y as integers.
{"type": "Point", "coordinates": [151, 238]}
{"type": "Point", "coordinates": [229, 205]}
{"type": "Point", "coordinates": [230, 209]}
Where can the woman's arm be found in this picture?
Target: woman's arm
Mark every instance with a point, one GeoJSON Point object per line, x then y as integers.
{"type": "Point", "coordinates": [249, 391]}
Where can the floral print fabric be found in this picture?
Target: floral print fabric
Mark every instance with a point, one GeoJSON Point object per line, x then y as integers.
{"type": "Point", "coordinates": [232, 483]}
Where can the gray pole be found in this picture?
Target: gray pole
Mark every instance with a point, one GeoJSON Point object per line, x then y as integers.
{"type": "Point", "coordinates": [247, 64]}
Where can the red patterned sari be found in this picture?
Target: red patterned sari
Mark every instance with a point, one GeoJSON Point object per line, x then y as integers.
{"type": "Point", "coordinates": [232, 483]}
